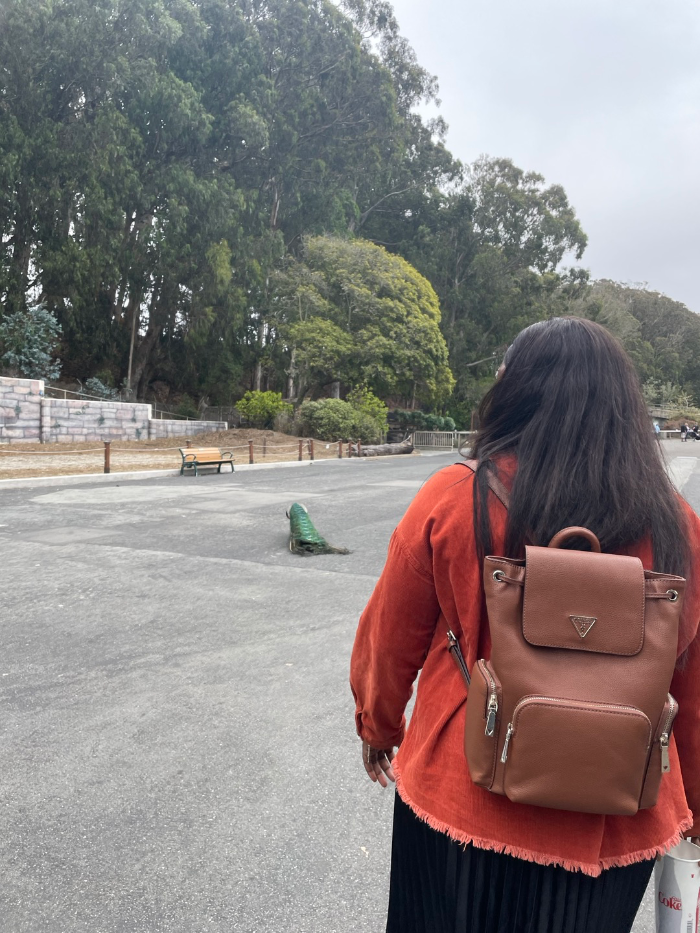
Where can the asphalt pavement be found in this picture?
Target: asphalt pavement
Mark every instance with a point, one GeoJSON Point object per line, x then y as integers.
{"type": "Point", "coordinates": [177, 732]}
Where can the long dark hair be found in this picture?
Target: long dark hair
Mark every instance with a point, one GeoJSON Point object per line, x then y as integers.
{"type": "Point", "coordinates": [569, 406]}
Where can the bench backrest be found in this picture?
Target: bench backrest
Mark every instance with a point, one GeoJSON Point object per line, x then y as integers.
{"type": "Point", "coordinates": [201, 453]}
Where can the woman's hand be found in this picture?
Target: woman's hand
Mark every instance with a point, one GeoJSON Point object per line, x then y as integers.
{"type": "Point", "coordinates": [377, 762]}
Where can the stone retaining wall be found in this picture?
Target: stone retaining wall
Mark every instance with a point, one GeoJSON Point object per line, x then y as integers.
{"type": "Point", "coordinates": [27, 416]}
{"type": "Point", "coordinates": [77, 420]}
{"type": "Point", "coordinates": [20, 410]}
{"type": "Point", "coordinates": [172, 428]}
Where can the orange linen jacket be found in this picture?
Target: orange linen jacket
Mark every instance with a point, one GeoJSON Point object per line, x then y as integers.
{"type": "Point", "coordinates": [432, 582]}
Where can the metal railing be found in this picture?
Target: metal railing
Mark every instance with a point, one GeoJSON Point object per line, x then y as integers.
{"type": "Point", "coordinates": [156, 413]}
{"type": "Point", "coordinates": [439, 440]}
{"type": "Point", "coordinates": [59, 392]}
{"type": "Point", "coordinates": [161, 415]}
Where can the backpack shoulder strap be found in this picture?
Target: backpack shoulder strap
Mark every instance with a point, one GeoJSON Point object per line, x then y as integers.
{"type": "Point", "coordinates": [496, 486]}
{"type": "Point", "coordinates": [503, 496]}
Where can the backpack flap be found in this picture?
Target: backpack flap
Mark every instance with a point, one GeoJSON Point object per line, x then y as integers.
{"type": "Point", "coordinates": [583, 601]}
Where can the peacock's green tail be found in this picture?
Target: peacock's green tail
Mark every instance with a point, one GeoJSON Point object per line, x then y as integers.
{"type": "Point", "coordinates": [303, 537]}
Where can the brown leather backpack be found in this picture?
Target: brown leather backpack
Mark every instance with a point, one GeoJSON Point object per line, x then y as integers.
{"type": "Point", "coordinates": [572, 709]}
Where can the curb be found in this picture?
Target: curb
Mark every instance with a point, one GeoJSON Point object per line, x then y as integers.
{"type": "Point", "coordinates": [76, 479]}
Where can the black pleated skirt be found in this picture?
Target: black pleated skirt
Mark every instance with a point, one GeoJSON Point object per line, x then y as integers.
{"type": "Point", "coordinates": [441, 886]}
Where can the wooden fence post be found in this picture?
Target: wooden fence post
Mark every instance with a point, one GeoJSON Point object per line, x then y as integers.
{"type": "Point", "coordinates": [264, 447]}
{"type": "Point", "coordinates": [311, 449]}
{"type": "Point", "coordinates": [108, 452]}
{"type": "Point", "coordinates": [301, 450]}
{"type": "Point", "coordinates": [340, 450]}
{"type": "Point", "coordinates": [250, 452]}
{"type": "Point", "coordinates": [359, 447]}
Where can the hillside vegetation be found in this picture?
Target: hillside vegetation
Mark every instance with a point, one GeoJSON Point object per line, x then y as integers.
{"type": "Point", "coordinates": [203, 198]}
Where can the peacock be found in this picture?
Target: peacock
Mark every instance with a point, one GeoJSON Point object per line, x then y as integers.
{"type": "Point", "coordinates": [303, 537]}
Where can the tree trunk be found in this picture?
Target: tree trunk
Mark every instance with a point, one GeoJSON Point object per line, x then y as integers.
{"type": "Point", "coordinates": [291, 374]}
{"type": "Point", "coordinates": [257, 377]}
{"type": "Point", "coordinates": [335, 389]}
{"type": "Point", "coordinates": [134, 317]}
{"type": "Point", "coordinates": [142, 354]}
{"type": "Point", "coordinates": [383, 450]}
{"type": "Point", "coordinates": [276, 201]}
{"type": "Point", "coordinates": [116, 310]}
{"type": "Point", "coordinates": [21, 242]}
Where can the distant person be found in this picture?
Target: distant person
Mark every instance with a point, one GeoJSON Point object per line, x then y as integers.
{"type": "Point", "coordinates": [657, 429]}
{"type": "Point", "coordinates": [465, 860]}
{"type": "Point", "coordinates": [684, 432]}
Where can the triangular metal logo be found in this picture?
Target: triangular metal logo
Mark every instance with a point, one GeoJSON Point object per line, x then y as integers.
{"type": "Point", "coordinates": [583, 624]}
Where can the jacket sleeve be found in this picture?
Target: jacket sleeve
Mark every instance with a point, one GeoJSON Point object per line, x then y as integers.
{"type": "Point", "coordinates": [392, 641]}
{"type": "Point", "coordinates": [686, 690]}
{"type": "Point", "coordinates": [686, 685]}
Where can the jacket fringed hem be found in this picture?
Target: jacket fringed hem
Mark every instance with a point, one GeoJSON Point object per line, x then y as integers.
{"type": "Point", "coordinates": [541, 858]}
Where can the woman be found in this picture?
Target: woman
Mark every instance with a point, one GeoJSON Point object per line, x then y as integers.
{"type": "Point", "coordinates": [555, 430]}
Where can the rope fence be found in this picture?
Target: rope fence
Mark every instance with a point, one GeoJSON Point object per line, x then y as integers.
{"type": "Point", "coordinates": [304, 447]}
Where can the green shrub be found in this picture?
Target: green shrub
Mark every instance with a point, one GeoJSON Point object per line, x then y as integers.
{"type": "Point", "coordinates": [365, 401]}
{"type": "Point", "coordinates": [95, 386]}
{"type": "Point", "coordinates": [462, 414]}
{"type": "Point", "coordinates": [367, 430]}
{"type": "Point", "coordinates": [187, 408]}
{"type": "Point", "coordinates": [261, 408]}
{"type": "Point", "coordinates": [332, 419]}
{"type": "Point", "coordinates": [28, 342]}
{"type": "Point", "coordinates": [421, 421]}
{"type": "Point", "coordinates": [106, 377]}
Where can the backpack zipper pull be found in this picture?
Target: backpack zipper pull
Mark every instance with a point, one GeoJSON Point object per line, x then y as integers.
{"type": "Point", "coordinates": [664, 739]}
{"type": "Point", "coordinates": [504, 754]}
{"type": "Point", "coordinates": [492, 713]}
{"type": "Point", "coordinates": [456, 652]}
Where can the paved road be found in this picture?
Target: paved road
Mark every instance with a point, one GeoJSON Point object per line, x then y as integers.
{"type": "Point", "coordinates": [176, 738]}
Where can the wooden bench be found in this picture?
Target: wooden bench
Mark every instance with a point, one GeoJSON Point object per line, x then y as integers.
{"type": "Point", "coordinates": [195, 457]}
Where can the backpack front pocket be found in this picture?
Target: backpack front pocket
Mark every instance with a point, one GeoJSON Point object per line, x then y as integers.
{"type": "Point", "coordinates": [574, 755]}
{"type": "Point", "coordinates": [482, 724]}
{"type": "Point", "coordinates": [659, 758]}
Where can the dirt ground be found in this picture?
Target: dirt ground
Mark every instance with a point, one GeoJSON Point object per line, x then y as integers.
{"type": "Point", "coordinates": [22, 460]}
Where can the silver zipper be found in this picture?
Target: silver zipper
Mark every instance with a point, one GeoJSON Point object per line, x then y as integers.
{"type": "Point", "coordinates": [492, 713]}
{"type": "Point", "coordinates": [504, 753]}
{"type": "Point", "coordinates": [492, 710]}
{"type": "Point", "coordinates": [665, 737]}
{"type": "Point", "coordinates": [511, 725]}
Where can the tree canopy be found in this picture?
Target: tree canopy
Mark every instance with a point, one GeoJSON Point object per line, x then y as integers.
{"type": "Point", "coordinates": [351, 312]}
{"type": "Point", "coordinates": [661, 335]}
{"type": "Point", "coordinates": [212, 196]}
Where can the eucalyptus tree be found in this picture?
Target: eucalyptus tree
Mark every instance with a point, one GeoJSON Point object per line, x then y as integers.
{"type": "Point", "coordinates": [352, 312]}
{"type": "Point", "coordinates": [162, 160]}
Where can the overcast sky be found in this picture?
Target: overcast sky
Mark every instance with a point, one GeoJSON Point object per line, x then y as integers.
{"type": "Point", "coordinates": [601, 96]}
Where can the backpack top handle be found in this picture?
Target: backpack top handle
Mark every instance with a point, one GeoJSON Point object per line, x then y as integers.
{"type": "Point", "coordinates": [575, 532]}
